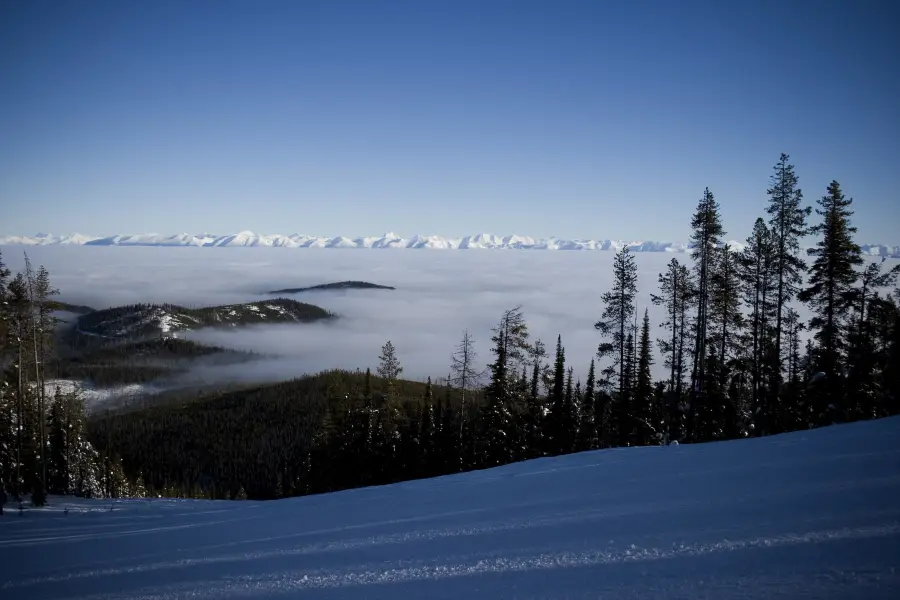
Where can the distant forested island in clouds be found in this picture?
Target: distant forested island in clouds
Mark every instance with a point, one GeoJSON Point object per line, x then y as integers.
{"type": "Point", "coordinates": [340, 285]}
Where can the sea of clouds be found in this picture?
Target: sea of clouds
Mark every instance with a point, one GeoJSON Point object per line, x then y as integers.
{"type": "Point", "coordinates": [439, 294]}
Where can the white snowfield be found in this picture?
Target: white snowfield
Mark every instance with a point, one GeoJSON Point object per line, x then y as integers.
{"type": "Point", "coordinates": [805, 515]}
{"type": "Point", "coordinates": [388, 240]}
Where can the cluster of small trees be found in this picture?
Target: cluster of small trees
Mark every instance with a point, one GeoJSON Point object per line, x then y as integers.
{"type": "Point", "coordinates": [43, 448]}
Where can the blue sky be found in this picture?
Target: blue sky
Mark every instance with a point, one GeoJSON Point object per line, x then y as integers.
{"type": "Point", "coordinates": [574, 119]}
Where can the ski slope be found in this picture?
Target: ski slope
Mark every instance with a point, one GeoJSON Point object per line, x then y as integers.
{"type": "Point", "coordinates": [811, 514]}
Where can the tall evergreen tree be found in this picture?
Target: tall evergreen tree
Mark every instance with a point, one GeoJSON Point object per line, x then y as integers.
{"type": "Point", "coordinates": [428, 435]}
{"type": "Point", "coordinates": [623, 412]}
{"type": "Point", "coordinates": [465, 376]}
{"type": "Point", "coordinates": [614, 324]}
{"type": "Point", "coordinates": [387, 432]}
{"type": "Point", "coordinates": [7, 397]}
{"type": "Point", "coordinates": [758, 277]}
{"type": "Point", "coordinates": [890, 336]}
{"type": "Point", "coordinates": [534, 417]}
{"type": "Point", "coordinates": [510, 339]}
{"type": "Point", "coordinates": [643, 409]}
{"type": "Point", "coordinates": [587, 427]}
{"type": "Point", "coordinates": [537, 354]}
{"type": "Point", "coordinates": [556, 420]}
{"type": "Point", "coordinates": [832, 277]}
{"type": "Point", "coordinates": [865, 349]}
{"type": "Point", "coordinates": [676, 294]}
{"type": "Point", "coordinates": [706, 237]}
{"type": "Point", "coordinates": [42, 326]}
{"type": "Point", "coordinates": [18, 324]}
{"type": "Point", "coordinates": [568, 431]}
{"type": "Point", "coordinates": [793, 410]}
{"type": "Point", "coordinates": [725, 317]}
{"type": "Point", "coordinates": [559, 376]}
{"type": "Point", "coordinates": [788, 225]}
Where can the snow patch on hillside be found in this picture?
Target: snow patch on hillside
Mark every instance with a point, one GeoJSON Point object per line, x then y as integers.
{"type": "Point", "coordinates": [95, 398]}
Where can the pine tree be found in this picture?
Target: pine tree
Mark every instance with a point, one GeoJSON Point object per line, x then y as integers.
{"type": "Point", "coordinates": [389, 367]}
{"type": "Point", "coordinates": [831, 278]}
{"type": "Point", "coordinates": [724, 406]}
{"type": "Point", "coordinates": [676, 294]}
{"type": "Point", "coordinates": [18, 323]}
{"type": "Point", "coordinates": [758, 278]}
{"type": "Point", "coordinates": [618, 309]}
{"type": "Point", "coordinates": [622, 425]}
{"type": "Point", "coordinates": [725, 316]}
{"type": "Point", "coordinates": [534, 419]}
{"type": "Point", "coordinates": [556, 418]}
{"type": "Point", "coordinates": [59, 468]}
{"type": "Point", "coordinates": [577, 413]}
{"type": "Point", "coordinates": [464, 376]}
{"type": "Point", "coordinates": [793, 408]}
{"type": "Point", "coordinates": [615, 324]}
{"type": "Point", "coordinates": [7, 395]}
{"type": "Point", "coordinates": [865, 347]}
{"type": "Point", "coordinates": [538, 353]}
{"type": "Point", "coordinates": [510, 339]}
{"type": "Point", "coordinates": [387, 433]}
{"type": "Point", "coordinates": [427, 437]}
{"type": "Point", "coordinates": [567, 415]}
{"type": "Point", "coordinates": [707, 226]}
{"type": "Point", "coordinates": [644, 410]}
{"type": "Point", "coordinates": [41, 324]}
{"type": "Point", "coordinates": [367, 420]}
{"type": "Point", "coordinates": [587, 427]}
{"type": "Point", "coordinates": [890, 343]}
{"type": "Point", "coordinates": [788, 226]}
{"type": "Point", "coordinates": [559, 375]}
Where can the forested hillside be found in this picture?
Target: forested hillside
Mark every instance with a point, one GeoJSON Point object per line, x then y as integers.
{"type": "Point", "coordinates": [140, 321]}
{"type": "Point", "coordinates": [106, 364]}
{"type": "Point", "coordinates": [739, 361]}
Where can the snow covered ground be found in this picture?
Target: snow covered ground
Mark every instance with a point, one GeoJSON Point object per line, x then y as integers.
{"type": "Point", "coordinates": [805, 515]}
{"type": "Point", "coordinates": [102, 397]}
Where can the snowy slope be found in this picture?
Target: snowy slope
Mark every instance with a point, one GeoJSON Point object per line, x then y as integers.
{"type": "Point", "coordinates": [804, 515]}
{"type": "Point", "coordinates": [388, 240]}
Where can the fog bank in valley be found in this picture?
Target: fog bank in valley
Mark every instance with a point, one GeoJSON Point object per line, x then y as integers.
{"type": "Point", "coordinates": [438, 295]}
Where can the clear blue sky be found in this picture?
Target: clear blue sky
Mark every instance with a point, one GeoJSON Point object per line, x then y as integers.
{"type": "Point", "coordinates": [575, 119]}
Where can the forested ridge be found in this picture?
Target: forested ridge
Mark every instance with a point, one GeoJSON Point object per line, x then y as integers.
{"type": "Point", "coordinates": [139, 321]}
{"type": "Point", "coordinates": [738, 358]}
{"type": "Point", "coordinates": [103, 363]}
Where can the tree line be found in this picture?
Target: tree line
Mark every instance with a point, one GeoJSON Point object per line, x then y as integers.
{"type": "Point", "coordinates": [738, 358]}
{"type": "Point", "coordinates": [43, 442]}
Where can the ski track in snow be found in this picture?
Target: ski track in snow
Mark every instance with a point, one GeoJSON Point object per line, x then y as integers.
{"type": "Point", "coordinates": [810, 514]}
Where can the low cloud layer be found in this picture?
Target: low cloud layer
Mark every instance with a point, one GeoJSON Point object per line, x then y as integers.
{"type": "Point", "coordinates": [439, 294]}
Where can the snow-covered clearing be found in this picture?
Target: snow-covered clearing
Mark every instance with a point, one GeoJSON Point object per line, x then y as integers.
{"type": "Point", "coordinates": [803, 515]}
{"type": "Point", "coordinates": [95, 397]}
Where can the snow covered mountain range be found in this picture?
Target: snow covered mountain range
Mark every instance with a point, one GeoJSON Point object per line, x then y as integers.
{"type": "Point", "coordinates": [388, 240]}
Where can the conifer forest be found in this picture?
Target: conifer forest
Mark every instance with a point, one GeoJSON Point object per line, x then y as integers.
{"type": "Point", "coordinates": [739, 361]}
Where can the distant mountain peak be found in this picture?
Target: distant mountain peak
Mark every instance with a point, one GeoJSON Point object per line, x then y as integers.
{"type": "Point", "coordinates": [390, 239]}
